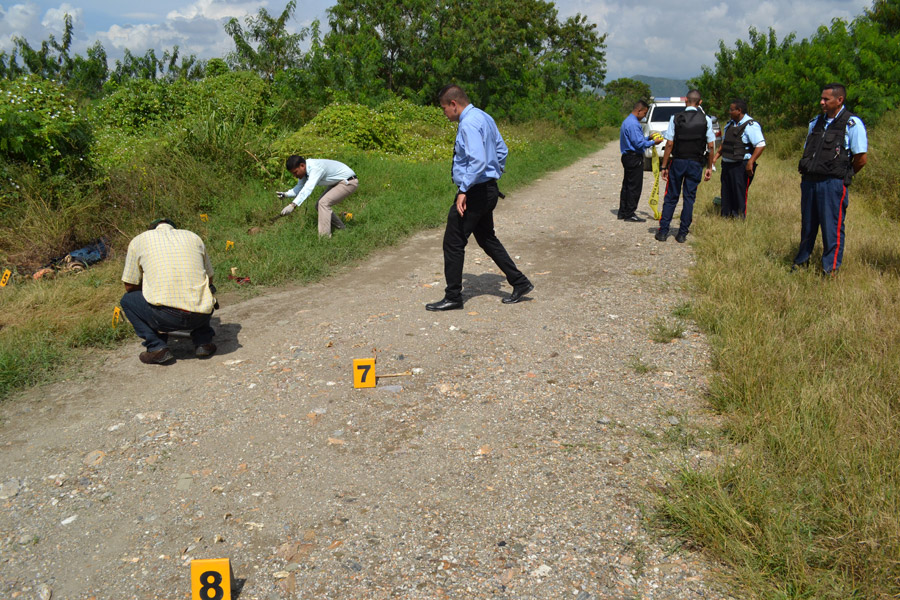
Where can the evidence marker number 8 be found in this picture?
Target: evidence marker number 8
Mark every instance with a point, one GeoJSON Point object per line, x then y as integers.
{"type": "Point", "coordinates": [211, 579]}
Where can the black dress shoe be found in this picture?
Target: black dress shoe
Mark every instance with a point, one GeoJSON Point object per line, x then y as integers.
{"type": "Point", "coordinates": [635, 219]}
{"type": "Point", "coordinates": [444, 304]}
{"type": "Point", "coordinates": [797, 266]}
{"type": "Point", "coordinates": [681, 238]}
{"type": "Point", "coordinates": [518, 293]}
{"type": "Point", "coordinates": [661, 237]}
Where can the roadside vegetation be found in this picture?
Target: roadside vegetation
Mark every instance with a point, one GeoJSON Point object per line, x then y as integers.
{"type": "Point", "coordinates": [805, 502]}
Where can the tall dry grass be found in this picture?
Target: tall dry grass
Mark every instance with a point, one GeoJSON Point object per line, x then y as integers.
{"type": "Point", "coordinates": [807, 371]}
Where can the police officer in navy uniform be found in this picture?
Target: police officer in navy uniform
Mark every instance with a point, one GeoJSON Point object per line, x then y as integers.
{"type": "Point", "coordinates": [742, 144]}
{"type": "Point", "coordinates": [835, 150]}
{"type": "Point", "coordinates": [690, 141]}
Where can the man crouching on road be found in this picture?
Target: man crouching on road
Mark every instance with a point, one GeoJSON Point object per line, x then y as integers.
{"type": "Point", "coordinates": [168, 287]}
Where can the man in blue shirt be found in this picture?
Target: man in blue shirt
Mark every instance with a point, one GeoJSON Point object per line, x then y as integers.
{"type": "Point", "coordinates": [830, 160]}
{"type": "Point", "coordinates": [479, 158]}
{"type": "Point", "coordinates": [742, 144]}
{"type": "Point", "coordinates": [690, 141]}
{"type": "Point", "coordinates": [632, 144]}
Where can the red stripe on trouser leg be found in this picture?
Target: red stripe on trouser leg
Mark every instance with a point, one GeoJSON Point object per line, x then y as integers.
{"type": "Point", "coordinates": [746, 193]}
{"type": "Point", "coordinates": [837, 248]}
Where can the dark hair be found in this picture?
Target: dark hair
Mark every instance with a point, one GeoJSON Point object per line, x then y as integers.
{"type": "Point", "coordinates": [452, 92]}
{"type": "Point", "coordinates": [159, 222]}
{"type": "Point", "coordinates": [293, 161]}
{"type": "Point", "coordinates": [639, 104]}
{"type": "Point", "coordinates": [693, 98]}
{"type": "Point", "coordinates": [837, 89]}
{"type": "Point", "coordinates": [741, 105]}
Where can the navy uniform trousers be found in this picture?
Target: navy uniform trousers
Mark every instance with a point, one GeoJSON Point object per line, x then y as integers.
{"type": "Point", "coordinates": [823, 204]}
{"type": "Point", "coordinates": [735, 188]}
{"type": "Point", "coordinates": [684, 177]}
{"type": "Point", "coordinates": [478, 220]}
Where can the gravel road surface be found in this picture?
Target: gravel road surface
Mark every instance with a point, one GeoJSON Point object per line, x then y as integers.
{"type": "Point", "coordinates": [519, 458]}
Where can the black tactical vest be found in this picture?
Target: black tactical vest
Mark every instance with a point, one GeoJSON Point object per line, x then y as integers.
{"type": "Point", "coordinates": [690, 135]}
{"type": "Point", "coordinates": [733, 147]}
{"type": "Point", "coordinates": [824, 156]}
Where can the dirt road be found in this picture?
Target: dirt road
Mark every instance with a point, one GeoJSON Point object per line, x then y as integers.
{"type": "Point", "coordinates": [516, 461]}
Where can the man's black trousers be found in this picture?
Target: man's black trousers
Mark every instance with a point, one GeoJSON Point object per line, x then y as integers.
{"type": "Point", "coordinates": [735, 188]}
{"type": "Point", "coordinates": [478, 220]}
{"type": "Point", "coordinates": [632, 183]}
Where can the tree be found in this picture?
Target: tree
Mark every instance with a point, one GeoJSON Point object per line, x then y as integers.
{"type": "Point", "coordinates": [276, 49]}
{"type": "Point", "coordinates": [886, 13]}
{"type": "Point", "coordinates": [626, 92]}
{"type": "Point", "coordinates": [504, 52]}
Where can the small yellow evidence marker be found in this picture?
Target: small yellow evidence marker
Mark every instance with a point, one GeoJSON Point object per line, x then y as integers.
{"type": "Point", "coordinates": [211, 579]}
{"type": "Point", "coordinates": [363, 372]}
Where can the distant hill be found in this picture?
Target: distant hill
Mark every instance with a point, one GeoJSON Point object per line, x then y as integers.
{"type": "Point", "coordinates": [664, 86]}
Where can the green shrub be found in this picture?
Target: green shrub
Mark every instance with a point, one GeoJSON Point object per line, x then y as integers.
{"type": "Point", "coordinates": [137, 104]}
{"type": "Point", "coordinates": [39, 124]}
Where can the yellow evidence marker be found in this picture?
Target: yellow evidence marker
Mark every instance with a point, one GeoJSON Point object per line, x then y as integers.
{"type": "Point", "coordinates": [211, 579]}
{"type": "Point", "coordinates": [5, 279]}
{"type": "Point", "coordinates": [229, 245]}
{"type": "Point", "coordinates": [363, 372]}
{"type": "Point", "coordinates": [204, 217]}
{"type": "Point", "coordinates": [117, 312]}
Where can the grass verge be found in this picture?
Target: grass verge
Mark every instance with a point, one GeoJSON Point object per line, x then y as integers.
{"type": "Point", "coordinates": [808, 376]}
{"type": "Point", "coordinates": [43, 323]}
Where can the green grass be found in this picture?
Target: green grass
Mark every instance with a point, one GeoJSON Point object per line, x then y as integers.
{"type": "Point", "coordinates": [43, 323]}
{"type": "Point", "coordinates": [807, 375]}
{"type": "Point", "coordinates": [639, 365]}
{"type": "Point", "coordinates": [663, 331]}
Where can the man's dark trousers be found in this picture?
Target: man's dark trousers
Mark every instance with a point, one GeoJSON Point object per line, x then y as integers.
{"type": "Point", "coordinates": [148, 321]}
{"type": "Point", "coordinates": [684, 177]}
{"type": "Point", "coordinates": [735, 188]}
{"type": "Point", "coordinates": [823, 203]}
{"type": "Point", "coordinates": [478, 219]}
{"type": "Point", "coordinates": [632, 183]}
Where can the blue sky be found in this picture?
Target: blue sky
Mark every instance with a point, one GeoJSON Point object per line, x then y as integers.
{"type": "Point", "coordinates": [654, 37]}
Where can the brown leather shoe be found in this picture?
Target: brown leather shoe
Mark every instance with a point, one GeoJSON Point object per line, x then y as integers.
{"type": "Point", "coordinates": [205, 350]}
{"type": "Point", "coordinates": [159, 357]}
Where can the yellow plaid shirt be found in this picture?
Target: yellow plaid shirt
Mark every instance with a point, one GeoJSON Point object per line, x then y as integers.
{"type": "Point", "coordinates": [173, 268]}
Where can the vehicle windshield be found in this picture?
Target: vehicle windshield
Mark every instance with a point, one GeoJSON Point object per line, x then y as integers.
{"type": "Point", "coordinates": [664, 113]}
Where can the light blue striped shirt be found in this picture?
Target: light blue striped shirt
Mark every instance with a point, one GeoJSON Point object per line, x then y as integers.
{"type": "Point", "coordinates": [479, 153]}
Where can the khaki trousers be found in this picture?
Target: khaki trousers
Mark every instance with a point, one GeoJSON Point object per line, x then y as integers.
{"type": "Point", "coordinates": [332, 196]}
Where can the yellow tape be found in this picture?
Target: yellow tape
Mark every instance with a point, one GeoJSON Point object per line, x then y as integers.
{"type": "Point", "coordinates": [116, 314]}
{"type": "Point", "coordinates": [654, 193]}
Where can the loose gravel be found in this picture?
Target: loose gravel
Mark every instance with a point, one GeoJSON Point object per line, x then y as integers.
{"type": "Point", "coordinates": [519, 458]}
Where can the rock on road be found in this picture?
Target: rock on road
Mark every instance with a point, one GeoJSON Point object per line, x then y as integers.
{"type": "Point", "coordinates": [519, 459]}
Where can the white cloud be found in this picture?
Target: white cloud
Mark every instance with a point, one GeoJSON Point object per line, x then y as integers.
{"type": "Point", "coordinates": [18, 20]}
{"type": "Point", "coordinates": [216, 10]}
{"type": "Point", "coordinates": [55, 18]}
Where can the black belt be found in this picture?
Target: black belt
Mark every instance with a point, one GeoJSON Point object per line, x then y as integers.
{"type": "Point", "coordinates": [633, 152]}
